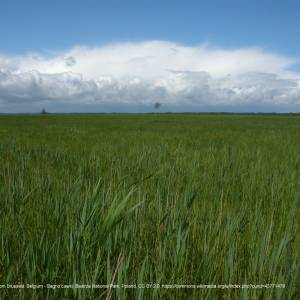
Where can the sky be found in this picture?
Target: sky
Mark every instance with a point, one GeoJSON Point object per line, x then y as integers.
{"type": "Point", "coordinates": [123, 56]}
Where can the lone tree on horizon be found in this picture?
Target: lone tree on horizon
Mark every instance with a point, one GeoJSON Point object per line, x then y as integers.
{"type": "Point", "coordinates": [43, 112]}
{"type": "Point", "coordinates": [157, 105]}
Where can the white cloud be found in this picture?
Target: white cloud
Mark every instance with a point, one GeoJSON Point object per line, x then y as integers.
{"type": "Point", "coordinates": [145, 72]}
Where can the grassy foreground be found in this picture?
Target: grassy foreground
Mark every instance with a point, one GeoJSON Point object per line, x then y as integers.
{"type": "Point", "coordinates": [148, 199]}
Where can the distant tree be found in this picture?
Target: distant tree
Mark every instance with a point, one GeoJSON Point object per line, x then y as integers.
{"type": "Point", "coordinates": [157, 105]}
{"type": "Point", "coordinates": [43, 112]}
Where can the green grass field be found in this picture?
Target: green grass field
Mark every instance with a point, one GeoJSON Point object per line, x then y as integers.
{"type": "Point", "coordinates": [160, 199]}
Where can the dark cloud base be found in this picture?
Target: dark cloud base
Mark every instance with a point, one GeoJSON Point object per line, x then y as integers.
{"type": "Point", "coordinates": [129, 108]}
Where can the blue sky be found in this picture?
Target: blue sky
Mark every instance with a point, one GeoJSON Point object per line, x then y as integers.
{"type": "Point", "coordinates": [43, 25]}
{"type": "Point", "coordinates": [36, 35]}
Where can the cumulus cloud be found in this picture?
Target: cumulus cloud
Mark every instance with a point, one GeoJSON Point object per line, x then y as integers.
{"type": "Point", "coordinates": [146, 72]}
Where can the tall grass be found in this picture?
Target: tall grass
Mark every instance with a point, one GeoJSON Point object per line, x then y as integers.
{"type": "Point", "coordinates": [150, 199]}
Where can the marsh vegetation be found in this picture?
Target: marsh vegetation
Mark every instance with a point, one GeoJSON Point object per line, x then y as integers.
{"type": "Point", "coordinates": [129, 199]}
